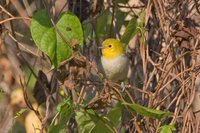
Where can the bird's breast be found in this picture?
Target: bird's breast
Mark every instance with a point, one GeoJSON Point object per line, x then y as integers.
{"type": "Point", "coordinates": [115, 69]}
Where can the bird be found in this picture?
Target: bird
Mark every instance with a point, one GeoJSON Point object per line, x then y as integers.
{"type": "Point", "coordinates": [114, 61]}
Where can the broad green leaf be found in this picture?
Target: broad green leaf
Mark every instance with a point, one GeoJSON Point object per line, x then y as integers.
{"type": "Point", "coordinates": [66, 111]}
{"type": "Point", "coordinates": [101, 124]}
{"type": "Point", "coordinates": [84, 121]}
{"type": "Point", "coordinates": [115, 115]}
{"type": "Point", "coordinates": [70, 26]}
{"type": "Point", "coordinates": [130, 31]}
{"type": "Point", "coordinates": [102, 127]}
{"type": "Point", "coordinates": [43, 32]}
{"type": "Point", "coordinates": [56, 41]}
{"type": "Point", "coordinates": [144, 111]}
{"type": "Point", "coordinates": [90, 122]}
{"type": "Point", "coordinates": [167, 129]}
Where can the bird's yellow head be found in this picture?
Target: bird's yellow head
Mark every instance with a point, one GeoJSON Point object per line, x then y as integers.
{"type": "Point", "coordinates": [112, 48]}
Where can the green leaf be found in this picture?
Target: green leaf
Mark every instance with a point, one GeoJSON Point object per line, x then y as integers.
{"type": "Point", "coordinates": [120, 20]}
{"type": "Point", "coordinates": [140, 26]}
{"type": "Point", "coordinates": [56, 41]}
{"type": "Point", "coordinates": [101, 124]}
{"type": "Point", "coordinates": [90, 122]}
{"type": "Point", "coordinates": [167, 129]}
{"type": "Point", "coordinates": [102, 127]}
{"type": "Point", "coordinates": [144, 111]}
{"type": "Point", "coordinates": [87, 28]}
{"type": "Point", "coordinates": [130, 31]}
{"type": "Point", "coordinates": [61, 105]}
{"type": "Point", "coordinates": [115, 115]}
{"type": "Point", "coordinates": [66, 111]}
{"type": "Point", "coordinates": [20, 112]}
{"type": "Point", "coordinates": [70, 26]}
{"type": "Point", "coordinates": [103, 24]}
{"type": "Point", "coordinates": [84, 121]}
{"type": "Point", "coordinates": [40, 28]}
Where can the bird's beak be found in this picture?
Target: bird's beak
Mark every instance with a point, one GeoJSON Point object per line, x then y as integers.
{"type": "Point", "coordinates": [101, 47]}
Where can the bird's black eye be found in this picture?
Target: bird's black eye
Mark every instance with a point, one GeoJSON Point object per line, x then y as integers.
{"type": "Point", "coordinates": [109, 46]}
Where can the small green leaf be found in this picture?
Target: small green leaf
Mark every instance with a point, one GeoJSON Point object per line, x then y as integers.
{"type": "Point", "coordinates": [66, 111]}
{"type": "Point", "coordinates": [56, 41]}
{"type": "Point", "coordinates": [140, 26]}
{"type": "Point", "coordinates": [61, 105]}
{"type": "Point", "coordinates": [130, 31]}
{"type": "Point", "coordinates": [144, 111]}
{"type": "Point", "coordinates": [167, 129]}
{"type": "Point", "coordinates": [20, 112]}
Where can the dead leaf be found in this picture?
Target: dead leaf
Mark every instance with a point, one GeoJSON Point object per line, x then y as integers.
{"type": "Point", "coordinates": [69, 84]}
{"type": "Point", "coordinates": [40, 88]}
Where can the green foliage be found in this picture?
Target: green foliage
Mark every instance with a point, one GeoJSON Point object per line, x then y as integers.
{"type": "Point", "coordinates": [144, 111]}
{"type": "Point", "coordinates": [134, 26]}
{"type": "Point", "coordinates": [120, 21]}
{"type": "Point", "coordinates": [87, 31]}
{"type": "Point", "coordinates": [130, 31]}
{"type": "Point", "coordinates": [115, 115]}
{"type": "Point", "coordinates": [167, 129]}
{"type": "Point", "coordinates": [56, 41]}
{"type": "Point", "coordinates": [65, 109]}
{"type": "Point", "coordinates": [140, 26]}
{"type": "Point", "coordinates": [84, 121]}
{"type": "Point", "coordinates": [103, 24]}
{"type": "Point", "coordinates": [90, 122]}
